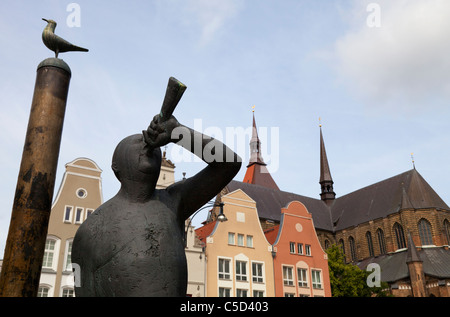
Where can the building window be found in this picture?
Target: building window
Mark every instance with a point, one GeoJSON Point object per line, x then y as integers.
{"type": "Point", "coordinates": [287, 276]}
{"type": "Point", "coordinates": [224, 292]}
{"type": "Point", "coordinates": [231, 238]}
{"type": "Point", "coordinates": [447, 230]}
{"type": "Point", "coordinates": [289, 295]}
{"type": "Point", "coordinates": [81, 193]}
{"type": "Point", "coordinates": [43, 291]}
{"type": "Point", "coordinates": [342, 246]}
{"type": "Point", "coordinates": [351, 242]}
{"type": "Point", "coordinates": [399, 236]}
{"type": "Point", "coordinates": [425, 232]}
{"type": "Point", "coordinates": [68, 214]}
{"type": "Point", "coordinates": [292, 247]}
{"type": "Point", "coordinates": [257, 272]}
{"type": "Point", "coordinates": [250, 241]}
{"type": "Point", "coordinates": [258, 294]}
{"type": "Point", "coordinates": [240, 240]}
{"type": "Point", "coordinates": [68, 292]}
{"type": "Point", "coordinates": [241, 292]}
{"type": "Point", "coordinates": [307, 249]}
{"type": "Point", "coordinates": [300, 248]}
{"type": "Point", "coordinates": [316, 279]}
{"type": "Point", "coordinates": [49, 254]}
{"type": "Point", "coordinates": [224, 269]}
{"type": "Point", "coordinates": [79, 215]}
{"type": "Point", "coordinates": [69, 256]}
{"type": "Point", "coordinates": [327, 244]}
{"type": "Point", "coordinates": [369, 243]}
{"type": "Point", "coordinates": [381, 242]}
{"type": "Point", "coordinates": [302, 277]}
{"type": "Point", "coordinates": [241, 271]}
{"type": "Point", "coordinates": [89, 212]}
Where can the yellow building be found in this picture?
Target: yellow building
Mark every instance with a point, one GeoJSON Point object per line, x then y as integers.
{"type": "Point", "coordinates": [79, 195]}
{"type": "Point", "coordinates": [238, 257]}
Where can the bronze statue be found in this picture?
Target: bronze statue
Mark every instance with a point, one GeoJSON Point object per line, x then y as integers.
{"type": "Point", "coordinates": [56, 43]}
{"type": "Point", "coordinates": [132, 245]}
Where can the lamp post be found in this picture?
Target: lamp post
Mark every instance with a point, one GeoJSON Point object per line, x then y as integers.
{"type": "Point", "coordinates": [221, 217]}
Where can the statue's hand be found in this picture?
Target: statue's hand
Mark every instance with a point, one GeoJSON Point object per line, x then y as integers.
{"type": "Point", "coordinates": [159, 133]}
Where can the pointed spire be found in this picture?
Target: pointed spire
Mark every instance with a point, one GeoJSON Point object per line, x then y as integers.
{"type": "Point", "coordinates": [326, 181]}
{"type": "Point", "coordinates": [257, 172]}
{"type": "Point", "coordinates": [255, 146]}
{"type": "Point", "coordinates": [412, 255]}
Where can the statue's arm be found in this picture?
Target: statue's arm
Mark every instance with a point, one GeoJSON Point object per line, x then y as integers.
{"type": "Point", "coordinates": [223, 165]}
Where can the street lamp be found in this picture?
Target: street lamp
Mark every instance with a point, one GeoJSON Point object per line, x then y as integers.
{"type": "Point", "coordinates": [220, 217]}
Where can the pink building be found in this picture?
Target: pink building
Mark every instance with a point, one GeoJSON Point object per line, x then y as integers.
{"type": "Point", "coordinates": [300, 263]}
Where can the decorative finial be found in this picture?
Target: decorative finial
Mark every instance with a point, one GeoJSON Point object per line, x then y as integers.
{"type": "Point", "coordinates": [320, 123]}
{"type": "Point", "coordinates": [412, 159]}
{"type": "Point", "coordinates": [55, 43]}
{"type": "Point", "coordinates": [253, 108]}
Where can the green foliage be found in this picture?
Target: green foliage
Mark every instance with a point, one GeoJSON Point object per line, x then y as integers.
{"type": "Point", "coordinates": [347, 280]}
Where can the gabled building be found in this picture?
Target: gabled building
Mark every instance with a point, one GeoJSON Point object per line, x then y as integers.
{"type": "Point", "coordinates": [239, 258]}
{"type": "Point", "coordinates": [300, 263]}
{"type": "Point", "coordinates": [79, 195]}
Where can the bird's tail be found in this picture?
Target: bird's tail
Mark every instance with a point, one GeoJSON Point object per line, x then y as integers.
{"type": "Point", "coordinates": [80, 49]}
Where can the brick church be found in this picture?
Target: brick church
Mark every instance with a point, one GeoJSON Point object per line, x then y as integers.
{"type": "Point", "coordinates": [400, 223]}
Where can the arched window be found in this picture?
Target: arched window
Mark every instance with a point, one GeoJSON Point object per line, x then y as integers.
{"type": "Point", "coordinates": [381, 242]}
{"type": "Point", "coordinates": [341, 245]}
{"type": "Point", "coordinates": [351, 241]}
{"type": "Point", "coordinates": [327, 244]}
{"type": "Point", "coordinates": [399, 236]}
{"type": "Point", "coordinates": [425, 232]}
{"type": "Point", "coordinates": [369, 243]}
{"type": "Point", "coordinates": [447, 230]}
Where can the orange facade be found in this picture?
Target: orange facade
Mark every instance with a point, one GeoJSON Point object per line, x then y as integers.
{"type": "Point", "coordinates": [300, 263]}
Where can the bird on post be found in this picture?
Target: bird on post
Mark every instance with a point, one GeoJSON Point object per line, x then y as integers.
{"type": "Point", "coordinates": [56, 43]}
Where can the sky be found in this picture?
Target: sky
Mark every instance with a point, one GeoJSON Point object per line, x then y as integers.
{"type": "Point", "coordinates": [376, 73]}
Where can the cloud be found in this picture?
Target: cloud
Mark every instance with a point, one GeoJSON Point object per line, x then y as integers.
{"type": "Point", "coordinates": [402, 63]}
{"type": "Point", "coordinates": [212, 15]}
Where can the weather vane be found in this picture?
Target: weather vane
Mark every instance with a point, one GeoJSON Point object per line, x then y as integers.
{"type": "Point", "coordinates": [56, 43]}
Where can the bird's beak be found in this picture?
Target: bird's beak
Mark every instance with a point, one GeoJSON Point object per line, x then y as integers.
{"type": "Point", "coordinates": [45, 20]}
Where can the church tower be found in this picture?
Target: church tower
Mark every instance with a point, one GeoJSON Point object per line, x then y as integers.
{"type": "Point", "coordinates": [257, 172]}
{"type": "Point", "coordinates": [326, 182]}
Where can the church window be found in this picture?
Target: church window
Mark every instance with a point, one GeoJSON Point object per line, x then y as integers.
{"type": "Point", "coordinates": [351, 241]}
{"type": "Point", "coordinates": [341, 246]}
{"type": "Point", "coordinates": [399, 236]}
{"type": "Point", "coordinates": [381, 241]}
{"type": "Point", "coordinates": [369, 243]}
{"type": "Point", "coordinates": [447, 230]}
{"type": "Point", "coordinates": [425, 232]}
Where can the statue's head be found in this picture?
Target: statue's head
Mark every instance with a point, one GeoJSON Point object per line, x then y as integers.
{"type": "Point", "coordinates": [134, 160]}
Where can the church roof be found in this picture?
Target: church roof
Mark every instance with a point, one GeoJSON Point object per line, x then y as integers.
{"type": "Point", "coordinates": [393, 266]}
{"type": "Point", "coordinates": [372, 202]}
{"type": "Point", "coordinates": [384, 198]}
